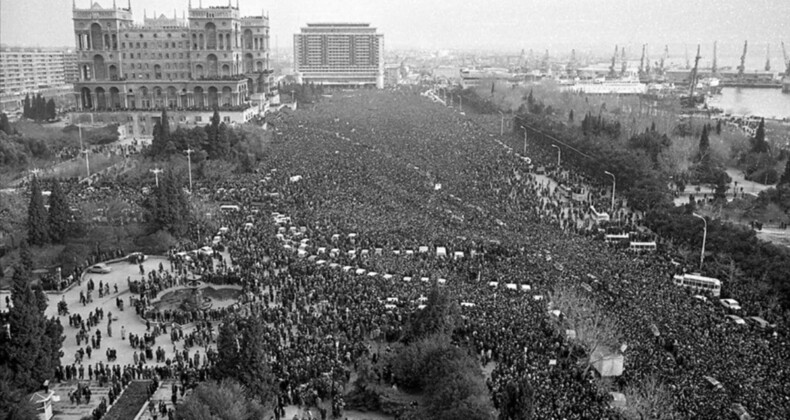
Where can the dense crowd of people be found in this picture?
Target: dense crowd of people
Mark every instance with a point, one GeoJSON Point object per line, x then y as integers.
{"type": "Point", "coordinates": [359, 212]}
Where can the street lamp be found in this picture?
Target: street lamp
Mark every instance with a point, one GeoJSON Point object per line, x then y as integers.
{"type": "Point", "coordinates": [87, 162]}
{"type": "Point", "coordinates": [704, 237]}
{"type": "Point", "coordinates": [156, 172]}
{"type": "Point", "coordinates": [502, 124]}
{"type": "Point", "coordinates": [525, 140]}
{"type": "Point", "coordinates": [189, 163]}
{"type": "Point", "coordinates": [614, 184]}
{"type": "Point", "coordinates": [559, 154]}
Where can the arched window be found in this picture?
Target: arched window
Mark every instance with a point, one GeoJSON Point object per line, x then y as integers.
{"type": "Point", "coordinates": [211, 36]}
{"type": "Point", "coordinates": [96, 37]}
{"type": "Point", "coordinates": [99, 70]}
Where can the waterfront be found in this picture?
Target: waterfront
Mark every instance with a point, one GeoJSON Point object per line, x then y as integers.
{"type": "Point", "coordinates": [769, 103]}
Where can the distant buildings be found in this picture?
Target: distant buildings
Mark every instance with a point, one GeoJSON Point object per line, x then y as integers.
{"type": "Point", "coordinates": [212, 58]}
{"type": "Point", "coordinates": [30, 71]}
{"type": "Point", "coordinates": [339, 54]}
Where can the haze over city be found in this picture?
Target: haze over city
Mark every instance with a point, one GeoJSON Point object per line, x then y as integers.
{"type": "Point", "coordinates": [505, 25]}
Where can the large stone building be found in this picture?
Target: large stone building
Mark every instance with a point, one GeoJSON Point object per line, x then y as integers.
{"type": "Point", "coordinates": [210, 58]}
{"type": "Point", "coordinates": [339, 54]}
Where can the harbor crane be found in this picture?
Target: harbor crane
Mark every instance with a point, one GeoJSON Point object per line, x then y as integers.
{"type": "Point", "coordinates": [714, 68]}
{"type": "Point", "coordinates": [742, 67]}
{"type": "Point", "coordinates": [623, 61]}
{"type": "Point", "coordinates": [768, 58]}
{"type": "Point", "coordinates": [614, 60]}
{"type": "Point", "coordinates": [693, 75]}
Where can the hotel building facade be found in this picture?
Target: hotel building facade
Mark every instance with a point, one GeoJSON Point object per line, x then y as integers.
{"type": "Point", "coordinates": [339, 54]}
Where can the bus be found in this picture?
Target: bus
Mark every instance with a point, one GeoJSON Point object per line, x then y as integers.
{"type": "Point", "coordinates": [229, 208]}
{"type": "Point", "coordinates": [699, 283]}
{"type": "Point", "coordinates": [617, 238]}
{"type": "Point", "coordinates": [643, 246]}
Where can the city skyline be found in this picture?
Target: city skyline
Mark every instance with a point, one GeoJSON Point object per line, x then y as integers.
{"type": "Point", "coordinates": [506, 26]}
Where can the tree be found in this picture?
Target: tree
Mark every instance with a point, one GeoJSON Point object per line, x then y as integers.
{"type": "Point", "coordinates": [226, 400]}
{"type": "Point", "coordinates": [516, 400]}
{"type": "Point", "coordinates": [5, 125]}
{"type": "Point", "coordinates": [438, 316]}
{"type": "Point", "coordinates": [29, 354]}
{"type": "Point", "coordinates": [759, 145]}
{"type": "Point", "coordinates": [59, 214]}
{"type": "Point", "coordinates": [37, 231]}
{"type": "Point", "coordinates": [242, 356]}
{"type": "Point", "coordinates": [27, 108]}
{"type": "Point", "coordinates": [704, 145]}
{"type": "Point", "coordinates": [25, 258]}
{"type": "Point", "coordinates": [51, 110]}
{"type": "Point", "coordinates": [785, 179]}
{"type": "Point", "coordinates": [570, 117]}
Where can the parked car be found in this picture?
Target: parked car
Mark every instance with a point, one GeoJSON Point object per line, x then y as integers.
{"type": "Point", "coordinates": [206, 250]}
{"type": "Point", "coordinates": [730, 304]}
{"type": "Point", "coordinates": [100, 268]}
{"type": "Point", "coordinates": [735, 319]}
{"type": "Point", "coordinates": [760, 322]}
{"type": "Point", "coordinates": [136, 257]}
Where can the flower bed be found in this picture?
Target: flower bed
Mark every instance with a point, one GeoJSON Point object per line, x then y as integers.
{"type": "Point", "coordinates": [130, 402]}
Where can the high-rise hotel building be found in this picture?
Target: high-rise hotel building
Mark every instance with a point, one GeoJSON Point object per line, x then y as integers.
{"type": "Point", "coordinates": [210, 58]}
{"type": "Point", "coordinates": [339, 54]}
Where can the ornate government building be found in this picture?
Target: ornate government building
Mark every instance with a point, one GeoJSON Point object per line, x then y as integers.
{"type": "Point", "coordinates": [209, 58]}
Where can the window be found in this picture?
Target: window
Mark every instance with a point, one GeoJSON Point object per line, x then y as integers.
{"type": "Point", "coordinates": [145, 45]}
{"type": "Point", "coordinates": [123, 45]}
{"type": "Point", "coordinates": [226, 119]}
{"type": "Point", "coordinates": [155, 35]}
{"type": "Point", "coordinates": [138, 45]}
{"type": "Point", "coordinates": [169, 35]}
{"type": "Point", "coordinates": [141, 35]}
{"type": "Point", "coordinates": [198, 119]}
{"type": "Point", "coordinates": [123, 55]}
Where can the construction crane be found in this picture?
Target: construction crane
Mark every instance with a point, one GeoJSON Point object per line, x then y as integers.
{"type": "Point", "coordinates": [742, 67]}
{"type": "Point", "coordinates": [715, 68]}
{"type": "Point", "coordinates": [768, 58]}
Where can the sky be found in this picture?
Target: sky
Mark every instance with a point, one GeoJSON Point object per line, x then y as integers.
{"type": "Point", "coordinates": [502, 25]}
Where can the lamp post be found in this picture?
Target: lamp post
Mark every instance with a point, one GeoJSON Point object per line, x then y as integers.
{"type": "Point", "coordinates": [156, 172]}
{"type": "Point", "coordinates": [189, 164]}
{"type": "Point", "coordinates": [502, 124]}
{"type": "Point", "coordinates": [525, 140]}
{"type": "Point", "coordinates": [559, 154]}
{"type": "Point", "coordinates": [86, 152]}
{"type": "Point", "coordinates": [614, 184]}
{"type": "Point", "coordinates": [704, 237]}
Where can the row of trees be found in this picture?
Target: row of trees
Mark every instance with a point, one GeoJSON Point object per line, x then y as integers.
{"type": "Point", "coordinates": [38, 108]}
{"type": "Point", "coordinates": [48, 226]}
{"type": "Point", "coordinates": [168, 208]}
{"type": "Point", "coordinates": [29, 345]}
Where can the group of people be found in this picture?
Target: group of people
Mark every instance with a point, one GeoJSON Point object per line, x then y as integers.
{"type": "Point", "coordinates": [372, 196]}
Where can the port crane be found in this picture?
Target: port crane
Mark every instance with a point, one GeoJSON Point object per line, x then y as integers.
{"type": "Point", "coordinates": [742, 67]}
{"type": "Point", "coordinates": [614, 60]}
{"type": "Point", "coordinates": [624, 62]}
{"type": "Point", "coordinates": [768, 58]}
{"type": "Point", "coordinates": [689, 102]}
{"type": "Point", "coordinates": [714, 68]}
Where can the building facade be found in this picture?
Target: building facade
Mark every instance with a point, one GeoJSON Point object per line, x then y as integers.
{"type": "Point", "coordinates": [339, 54]}
{"type": "Point", "coordinates": [28, 70]}
{"type": "Point", "coordinates": [209, 58]}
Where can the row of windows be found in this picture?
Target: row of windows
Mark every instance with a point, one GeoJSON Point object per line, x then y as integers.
{"type": "Point", "coordinates": [154, 45]}
{"type": "Point", "coordinates": [141, 56]}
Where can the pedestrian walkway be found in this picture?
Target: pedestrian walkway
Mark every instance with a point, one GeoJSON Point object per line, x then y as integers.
{"type": "Point", "coordinates": [64, 409]}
